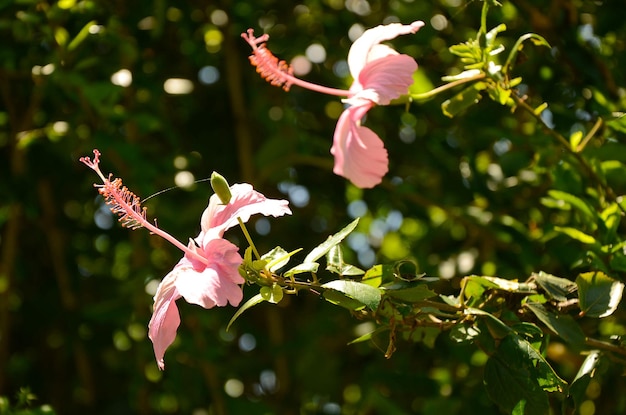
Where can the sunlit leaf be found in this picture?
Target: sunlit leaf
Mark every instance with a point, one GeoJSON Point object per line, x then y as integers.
{"type": "Point", "coordinates": [336, 264]}
{"type": "Point", "coordinates": [333, 240]}
{"type": "Point", "coordinates": [562, 325]}
{"type": "Point", "coordinates": [461, 101]}
{"type": "Point", "coordinates": [556, 287]}
{"type": "Point", "coordinates": [576, 234]}
{"type": "Point", "coordinates": [409, 293]}
{"type": "Point", "coordinates": [519, 44]}
{"type": "Point", "coordinates": [517, 372]}
{"type": "Point", "coordinates": [278, 258]}
{"type": "Point", "coordinates": [81, 36]}
{"type": "Point", "coordinates": [273, 294]}
{"type": "Point", "coordinates": [598, 294]}
{"type": "Point", "coordinates": [302, 268]}
{"type": "Point", "coordinates": [578, 388]}
{"type": "Point", "coordinates": [362, 295]}
{"type": "Point", "coordinates": [574, 201]}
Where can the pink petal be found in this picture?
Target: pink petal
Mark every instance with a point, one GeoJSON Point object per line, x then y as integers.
{"type": "Point", "coordinates": [360, 155]}
{"type": "Point", "coordinates": [218, 283]}
{"type": "Point", "coordinates": [359, 53]}
{"type": "Point", "coordinates": [388, 77]}
{"type": "Point", "coordinates": [165, 317]}
{"type": "Point", "coordinates": [245, 202]}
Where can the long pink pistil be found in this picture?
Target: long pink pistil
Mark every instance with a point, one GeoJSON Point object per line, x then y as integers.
{"type": "Point", "coordinates": [127, 206]}
{"type": "Point", "coordinates": [278, 72]}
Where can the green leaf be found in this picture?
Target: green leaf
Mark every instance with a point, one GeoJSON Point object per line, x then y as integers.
{"type": "Point", "coordinates": [257, 299]}
{"type": "Point", "coordinates": [496, 327]}
{"type": "Point", "coordinates": [375, 275]}
{"type": "Point", "coordinates": [574, 201]}
{"type": "Point", "coordinates": [461, 101]}
{"type": "Point", "coordinates": [332, 241]}
{"type": "Point", "coordinates": [278, 258]}
{"type": "Point", "coordinates": [336, 264]}
{"type": "Point", "coordinates": [598, 294]}
{"type": "Point", "coordinates": [352, 295]}
{"type": "Point", "coordinates": [519, 44]}
{"type": "Point", "coordinates": [81, 36]}
{"type": "Point", "coordinates": [302, 268]}
{"type": "Point", "coordinates": [409, 293]}
{"type": "Point", "coordinates": [273, 294]}
{"type": "Point", "coordinates": [562, 325]}
{"type": "Point", "coordinates": [576, 234]}
{"type": "Point", "coordinates": [556, 287]}
{"type": "Point", "coordinates": [368, 336]}
{"type": "Point", "coordinates": [517, 372]}
{"type": "Point", "coordinates": [578, 388]}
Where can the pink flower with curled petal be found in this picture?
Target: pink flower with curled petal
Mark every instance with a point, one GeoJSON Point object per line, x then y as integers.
{"type": "Point", "coordinates": [208, 274]}
{"type": "Point", "coordinates": [214, 282]}
{"type": "Point", "coordinates": [380, 75]}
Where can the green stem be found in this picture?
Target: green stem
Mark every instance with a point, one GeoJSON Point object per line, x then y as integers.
{"type": "Point", "coordinates": [248, 238]}
{"type": "Point", "coordinates": [427, 95]}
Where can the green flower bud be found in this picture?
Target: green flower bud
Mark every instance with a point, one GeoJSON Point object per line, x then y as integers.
{"type": "Point", "coordinates": [220, 187]}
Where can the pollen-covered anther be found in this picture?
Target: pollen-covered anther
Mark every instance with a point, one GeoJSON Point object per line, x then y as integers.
{"type": "Point", "coordinates": [123, 203]}
{"type": "Point", "coordinates": [277, 72]}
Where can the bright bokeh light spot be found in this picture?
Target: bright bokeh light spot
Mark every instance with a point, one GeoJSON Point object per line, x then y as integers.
{"type": "Point", "coordinates": [316, 53]}
{"type": "Point", "coordinates": [447, 269]}
{"type": "Point", "coordinates": [213, 37]}
{"type": "Point", "coordinates": [122, 78]}
{"type": "Point", "coordinates": [181, 162]}
{"type": "Point", "coordinates": [173, 14]}
{"type": "Point", "coordinates": [358, 241]}
{"type": "Point", "coordinates": [341, 69]}
{"type": "Point", "coordinates": [466, 261]}
{"type": "Point", "coordinates": [95, 29]}
{"type": "Point", "coordinates": [152, 372]}
{"type": "Point", "coordinates": [352, 393]}
{"type": "Point", "coordinates": [333, 109]}
{"type": "Point", "coordinates": [208, 75]}
{"type": "Point", "coordinates": [355, 31]}
{"type": "Point", "coordinates": [147, 23]}
{"type": "Point", "coordinates": [103, 218]}
{"type": "Point", "coordinates": [268, 381]}
{"type": "Point", "coordinates": [234, 388]}
{"type": "Point", "coordinates": [301, 65]}
{"type": "Point", "coordinates": [367, 257]}
{"type": "Point", "coordinates": [439, 22]}
{"type": "Point", "coordinates": [357, 209]}
{"type": "Point", "coordinates": [394, 220]}
{"type": "Point", "coordinates": [43, 70]}
{"type": "Point", "coordinates": [247, 342]}
{"type": "Point", "coordinates": [360, 7]}
{"type": "Point", "coordinates": [121, 341]}
{"type": "Point", "coordinates": [184, 179]}
{"type": "Point", "coordinates": [178, 86]}
{"type": "Point", "coordinates": [151, 287]}
{"type": "Point", "coordinates": [393, 247]}
{"type": "Point", "coordinates": [275, 113]}
{"type": "Point", "coordinates": [219, 17]}
{"type": "Point", "coordinates": [60, 127]}
{"type": "Point", "coordinates": [262, 226]}
{"type": "Point", "coordinates": [299, 196]}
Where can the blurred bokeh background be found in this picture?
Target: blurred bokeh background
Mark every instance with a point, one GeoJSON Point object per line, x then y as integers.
{"type": "Point", "coordinates": [165, 91]}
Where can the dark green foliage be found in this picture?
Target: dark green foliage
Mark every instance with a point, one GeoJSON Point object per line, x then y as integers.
{"type": "Point", "coordinates": [498, 229]}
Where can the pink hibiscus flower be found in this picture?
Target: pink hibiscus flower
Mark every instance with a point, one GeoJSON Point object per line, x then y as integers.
{"type": "Point", "coordinates": [207, 275]}
{"type": "Point", "coordinates": [380, 75]}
